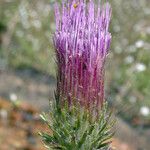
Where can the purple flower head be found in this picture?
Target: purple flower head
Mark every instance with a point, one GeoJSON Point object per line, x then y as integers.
{"type": "Point", "coordinates": [82, 41]}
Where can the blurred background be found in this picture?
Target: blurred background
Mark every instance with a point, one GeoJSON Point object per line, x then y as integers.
{"type": "Point", "coordinates": [27, 72]}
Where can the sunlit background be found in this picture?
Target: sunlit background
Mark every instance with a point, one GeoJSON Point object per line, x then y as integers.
{"type": "Point", "coordinates": [27, 67]}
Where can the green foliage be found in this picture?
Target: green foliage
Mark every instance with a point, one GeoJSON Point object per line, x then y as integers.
{"type": "Point", "coordinates": [77, 129]}
{"type": "Point", "coordinates": [2, 27]}
{"type": "Point", "coordinates": [29, 29]}
{"type": "Point", "coordinates": [129, 85]}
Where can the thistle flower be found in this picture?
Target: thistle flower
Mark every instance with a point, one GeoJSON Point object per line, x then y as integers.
{"type": "Point", "coordinates": [82, 41]}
